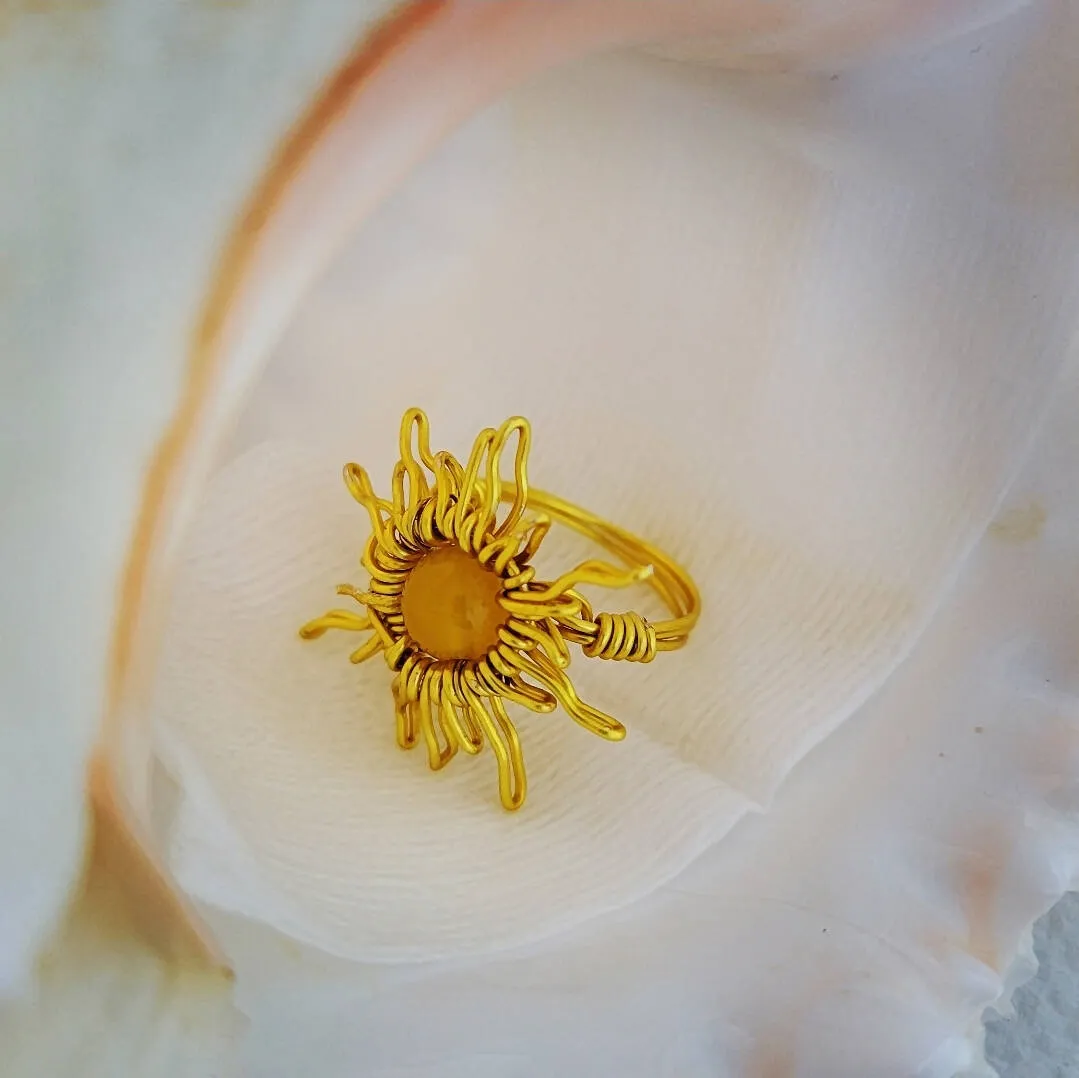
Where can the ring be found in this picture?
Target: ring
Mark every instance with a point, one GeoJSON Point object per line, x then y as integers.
{"type": "Point", "coordinates": [456, 611]}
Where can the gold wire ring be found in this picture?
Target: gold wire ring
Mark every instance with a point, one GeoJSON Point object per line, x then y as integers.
{"type": "Point", "coordinates": [456, 611]}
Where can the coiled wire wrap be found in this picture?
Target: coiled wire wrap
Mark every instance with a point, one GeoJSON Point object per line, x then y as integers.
{"type": "Point", "coordinates": [623, 636]}
{"type": "Point", "coordinates": [454, 703]}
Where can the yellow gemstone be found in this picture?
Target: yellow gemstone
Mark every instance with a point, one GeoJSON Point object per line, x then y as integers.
{"type": "Point", "coordinates": [450, 605]}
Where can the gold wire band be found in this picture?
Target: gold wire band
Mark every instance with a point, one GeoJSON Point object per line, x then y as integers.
{"type": "Point", "coordinates": [668, 579]}
{"type": "Point", "coordinates": [452, 695]}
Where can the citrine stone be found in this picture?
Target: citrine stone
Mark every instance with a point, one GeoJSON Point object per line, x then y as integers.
{"type": "Point", "coordinates": [450, 605]}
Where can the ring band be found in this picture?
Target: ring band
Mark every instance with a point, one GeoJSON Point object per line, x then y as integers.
{"type": "Point", "coordinates": [668, 579]}
{"type": "Point", "coordinates": [456, 611]}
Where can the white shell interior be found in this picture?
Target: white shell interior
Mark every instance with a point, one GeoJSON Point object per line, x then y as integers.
{"type": "Point", "coordinates": [799, 329]}
{"type": "Point", "coordinates": [859, 927]}
{"type": "Point", "coordinates": [794, 331]}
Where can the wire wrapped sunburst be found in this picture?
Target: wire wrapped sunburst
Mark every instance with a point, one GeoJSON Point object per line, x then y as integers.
{"type": "Point", "coordinates": [456, 610]}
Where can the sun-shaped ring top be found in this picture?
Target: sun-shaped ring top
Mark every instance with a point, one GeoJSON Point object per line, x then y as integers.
{"type": "Point", "coordinates": [456, 610]}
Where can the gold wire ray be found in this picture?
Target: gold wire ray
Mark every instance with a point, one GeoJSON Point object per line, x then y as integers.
{"type": "Point", "coordinates": [418, 486]}
{"type": "Point", "coordinates": [448, 479]}
{"type": "Point", "coordinates": [437, 755]}
{"type": "Point", "coordinates": [459, 704]}
{"type": "Point", "coordinates": [544, 635]}
{"type": "Point", "coordinates": [384, 604]}
{"type": "Point", "coordinates": [367, 650]}
{"type": "Point", "coordinates": [401, 502]}
{"type": "Point", "coordinates": [517, 785]}
{"type": "Point", "coordinates": [498, 553]}
{"type": "Point", "coordinates": [458, 726]}
{"type": "Point", "coordinates": [520, 426]}
{"type": "Point", "coordinates": [508, 684]}
{"type": "Point", "coordinates": [536, 532]}
{"type": "Point", "coordinates": [334, 619]}
{"type": "Point", "coordinates": [515, 603]}
{"type": "Point", "coordinates": [600, 573]}
{"type": "Point", "coordinates": [559, 651]}
{"type": "Point", "coordinates": [592, 719]}
{"type": "Point", "coordinates": [405, 718]}
{"type": "Point", "coordinates": [359, 486]}
{"type": "Point", "coordinates": [468, 489]}
{"type": "Point", "coordinates": [502, 736]}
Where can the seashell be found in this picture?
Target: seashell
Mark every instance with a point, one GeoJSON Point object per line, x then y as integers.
{"type": "Point", "coordinates": [814, 333]}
